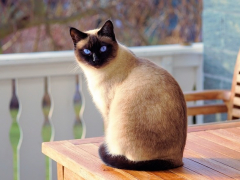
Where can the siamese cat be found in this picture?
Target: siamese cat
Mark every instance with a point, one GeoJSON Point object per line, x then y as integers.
{"type": "Point", "coordinates": [142, 105]}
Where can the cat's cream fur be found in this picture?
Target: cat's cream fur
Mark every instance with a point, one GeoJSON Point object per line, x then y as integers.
{"type": "Point", "coordinates": [143, 107]}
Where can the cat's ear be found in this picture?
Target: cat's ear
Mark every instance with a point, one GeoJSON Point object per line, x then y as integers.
{"type": "Point", "coordinates": [107, 30]}
{"type": "Point", "coordinates": [77, 35]}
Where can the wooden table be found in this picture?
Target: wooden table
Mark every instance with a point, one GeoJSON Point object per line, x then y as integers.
{"type": "Point", "coordinates": [212, 152]}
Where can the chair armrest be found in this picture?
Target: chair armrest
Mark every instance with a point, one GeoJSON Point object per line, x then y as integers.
{"type": "Point", "coordinates": [206, 109]}
{"type": "Point", "coordinates": [208, 95]}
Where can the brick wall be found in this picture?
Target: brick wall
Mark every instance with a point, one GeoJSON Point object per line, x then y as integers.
{"type": "Point", "coordinates": [221, 37]}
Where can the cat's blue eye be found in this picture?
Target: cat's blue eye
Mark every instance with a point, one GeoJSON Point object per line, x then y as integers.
{"type": "Point", "coordinates": [87, 51]}
{"type": "Point", "coordinates": [103, 48]}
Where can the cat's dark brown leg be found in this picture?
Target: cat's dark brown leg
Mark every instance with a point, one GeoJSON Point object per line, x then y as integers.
{"type": "Point", "coordinates": [121, 162]}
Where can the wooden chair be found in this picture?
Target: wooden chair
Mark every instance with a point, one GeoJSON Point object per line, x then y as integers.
{"type": "Point", "coordinates": [231, 99]}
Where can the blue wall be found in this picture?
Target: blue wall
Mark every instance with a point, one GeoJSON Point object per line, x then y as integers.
{"type": "Point", "coordinates": [221, 37]}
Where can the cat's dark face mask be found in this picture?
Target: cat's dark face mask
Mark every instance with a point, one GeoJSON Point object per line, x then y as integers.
{"type": "Point", "coordinates": [97, 50]}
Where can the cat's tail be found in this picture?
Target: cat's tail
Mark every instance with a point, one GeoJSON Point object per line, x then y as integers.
{"type": "Point", "coordinates": [121, 162]}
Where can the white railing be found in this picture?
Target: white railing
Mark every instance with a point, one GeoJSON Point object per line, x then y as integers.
{"type": "Point", "coordinates": [30, 69]}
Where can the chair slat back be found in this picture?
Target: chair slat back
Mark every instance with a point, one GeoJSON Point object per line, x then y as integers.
{"type": "Point", "coordinates": [234, 103]}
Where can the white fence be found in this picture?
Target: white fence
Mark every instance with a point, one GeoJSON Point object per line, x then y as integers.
{"type": "Point", "coordinates": [30, 69]}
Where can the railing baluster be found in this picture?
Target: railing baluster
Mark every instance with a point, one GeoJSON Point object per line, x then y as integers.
{"type": "Point", "coordinates": [90, 116]}
{"type": "Point", "coordinates": [6, 153]}
{"type": "Point", "coordinates": [62, 115]}
{"type": "Point", "coordinates": [30, 118]}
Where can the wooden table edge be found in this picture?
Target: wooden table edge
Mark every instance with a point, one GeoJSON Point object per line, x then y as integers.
{"type": "Point", "coordinates": [61, 164]}
{"type": "Point", "coordinates": [215, 125]}
{"type": "Point", "coordinates": [48, 150]}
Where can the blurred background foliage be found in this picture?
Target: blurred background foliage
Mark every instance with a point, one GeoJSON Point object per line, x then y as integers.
{"type": "Point", "coordinates": [43, 25]}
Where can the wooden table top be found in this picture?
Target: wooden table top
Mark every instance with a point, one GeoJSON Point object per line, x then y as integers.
{"type": "Point", "coordinates": [212, 152]}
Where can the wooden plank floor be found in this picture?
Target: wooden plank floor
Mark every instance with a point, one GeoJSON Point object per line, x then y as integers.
{"type": "Point", "coordinates": [210, 153]}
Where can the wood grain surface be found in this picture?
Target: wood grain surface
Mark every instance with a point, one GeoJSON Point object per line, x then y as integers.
{"type": "Point", "coordinates": [211, 152]}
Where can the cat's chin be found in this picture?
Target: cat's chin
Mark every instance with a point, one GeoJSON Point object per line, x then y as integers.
{"type": "Point", "coordinates": [121, 162]}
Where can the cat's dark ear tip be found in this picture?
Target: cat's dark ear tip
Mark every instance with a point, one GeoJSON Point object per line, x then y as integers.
{"type": "Point", "coordinates": [109, 22]}
{"type": "Point", "coordinates": [107, 30]}
{"type": "Point", "coordinates": [71, 29]}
